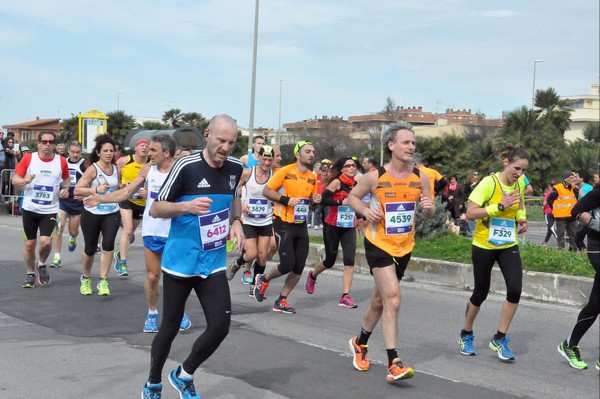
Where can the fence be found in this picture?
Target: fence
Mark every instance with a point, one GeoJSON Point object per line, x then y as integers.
{"type": "Point", "coordinates": [9, 194]}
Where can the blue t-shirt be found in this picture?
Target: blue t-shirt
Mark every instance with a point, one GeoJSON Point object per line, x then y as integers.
{"type": "Point", "coordinates": [251, 161]}
{"type": "Point", "coordinates": [585, 188]}
{"type": "Point", "coordinates": [196, 243]}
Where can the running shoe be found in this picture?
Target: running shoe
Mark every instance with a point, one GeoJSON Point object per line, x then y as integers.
{"type": "Point", "coordinates": [359, 354]}
{"type": "Point", "coordinates": [309, 286]}
{"type": "Point", "coordinates": [185, 388]}
{"type": "Point", "coordinates": [152, 391]}
{"type": "Point", "coordinates": [598, 365]}
{"type": "Point", "coordinates": [397, 371]}
{"type": "Point", "coordinates": [572, 355]}
{"type": "Point", "coordinates": [185, 323]}
{"type": "Point", "coordinates": [151, 323]}
{"type": "Point", "coordinates": [282, 305]}
{"type": "Point", "coordinates": [121, 268]}
{"type": "Point", "coordinates": [56, 263]}
{"type": "Point", "coordinates": [466, 345]}
{"type": "Point", "coordinates": [247, 277]}
{"type": "Point", "coordinates": [500, 346]}
{"type": "Point", "coordinates": [232, 269]}
{"type": "Point", "coordinates": [251, 293]}
{"type": "Point", "coordinates": [98, 249]}
{"type": "Point", "coordinates": [116, 255]}
{"type": "Point", "coordinates": [29, 281]}
{"type": "Point", "coordinates": [43, 276]}
{"type": "Point", "coordinates": [260, 287]}
{"type": "Point", "coordinates": [86, 286]}
{"type": "Point", "coordinates": [132, 239]}
{"type": "Point", "coordinates": [103, 287]}
{"type": "Point", "coordinates": [72, 244]}
{"type": "Point", "coordinates": [347, 302]}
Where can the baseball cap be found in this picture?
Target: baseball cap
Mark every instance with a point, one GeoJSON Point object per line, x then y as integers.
{"type": "Point", "coordinates": [325, 162]}
{"type": "Point", "coordinates": [266, 151]}
{"type": "Point", "coordinates": [301, 144]}
{"type": "Point", "coordinates": [24, 148]}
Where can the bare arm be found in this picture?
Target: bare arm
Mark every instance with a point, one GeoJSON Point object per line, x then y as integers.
{"type": "Point", "coordinates": [167, 210]}
{"type": "Point", "coordinates": [122, 194]}
{"type": "Point", "coordinates": [366, 185]}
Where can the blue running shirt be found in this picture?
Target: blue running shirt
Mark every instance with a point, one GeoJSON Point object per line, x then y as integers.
{"type": "Point", "coordinates": [196, 243]}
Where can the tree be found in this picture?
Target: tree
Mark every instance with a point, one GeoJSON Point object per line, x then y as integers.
{"type": "Point", "coordinates": [173, 118]}
{"type": "Point", "coordinates": [194, 119]}
{"type": "Point", "coordinates": [551, 107]}
{"type": "Point", "coordinates": [539, 137]}
{"type": "Point", "coordinates": [119, 124]}
{"type": "Point", "coordinates": [591, 132]}
{"type": "Point", "coordinates": [153, 125]}
{"type": "Point", "coordinates": [69, 130]}
{"type": "Point", "coordinates": [582, 155]}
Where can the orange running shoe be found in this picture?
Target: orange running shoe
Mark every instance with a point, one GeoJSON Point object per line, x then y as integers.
{"type": "Point", "coordinates": [359, 354]}
{"type": "Point", "coordinates": [397, 371]}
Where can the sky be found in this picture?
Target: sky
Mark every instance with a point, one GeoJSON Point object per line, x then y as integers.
{"type": "Point", "coordinates": [314, 58]}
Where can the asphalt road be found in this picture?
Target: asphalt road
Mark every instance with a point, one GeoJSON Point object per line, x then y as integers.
{"type": "Point", "coordinates": [55, 343]}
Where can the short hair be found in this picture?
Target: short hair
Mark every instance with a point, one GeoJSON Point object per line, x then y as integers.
{"type": "Point", "coordinates": [74, 143]}
{"type": "Point", "coordinates": [43, 133]}
{"type": "Point", "coordinates": [391, 133]}
{"type": "Point", "coordinates": [584, 175]}
{"type": "Point", "coordinates": [166, 141]}
{"type": "Point", "coordinates": [257, 137]}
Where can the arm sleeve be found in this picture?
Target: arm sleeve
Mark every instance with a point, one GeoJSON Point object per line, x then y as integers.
{"type": "Point", "coordinates": [326, 199]}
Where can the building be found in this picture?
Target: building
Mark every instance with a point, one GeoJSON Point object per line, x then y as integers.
{"type": "Point", "coordinates": [586, 109]}
{"type": "Point", "coordinates": [31, 130]}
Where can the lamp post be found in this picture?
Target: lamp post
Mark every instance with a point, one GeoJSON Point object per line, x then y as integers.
{"type": "Point", "coordinates": [253, 91]}
{"type": "Point", "coordinates": [118, 98]}
{"type": "Point", "coordinates": [279, 129]}
{"type": "Point", "coordinates": [535, 62]}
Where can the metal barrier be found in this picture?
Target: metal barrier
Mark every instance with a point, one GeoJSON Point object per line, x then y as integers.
{"type": "Point", "coordinates": [9, 194]}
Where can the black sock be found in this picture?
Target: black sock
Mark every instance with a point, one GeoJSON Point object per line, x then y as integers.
{"type": "Point", "coordinates": [391, 354]}
{"type": "Point", "coordinates": [313, 277]}
{"type": "Point", "coordinates": [281, 297]}
{"type": "Point", "coordinates": [499, 335]}
{"type": "Point", "coordinates": [464, 333]}
{"type": "Point", "coordinates": [363, 338]}
{"type": "Point", "coordinates": [240, 261]}
{"type": "Point", "coordinates": [258, 269]}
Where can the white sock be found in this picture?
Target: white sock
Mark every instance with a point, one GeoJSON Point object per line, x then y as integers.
{"type": "Point", "coordinates": [40, 263]}
{"type": "Point", "coordinates": [57, 255]}
{"type": "Point", "coordinates": [155, 311]}
{"type": "Point", "coordinates": [183, 375]}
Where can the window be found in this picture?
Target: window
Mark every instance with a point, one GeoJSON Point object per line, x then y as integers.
{"type": "Point", "coordinates": [27, 135]}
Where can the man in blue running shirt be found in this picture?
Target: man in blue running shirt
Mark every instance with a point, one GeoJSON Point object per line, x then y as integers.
{"type": "Point", "coordinates": [198, 195]}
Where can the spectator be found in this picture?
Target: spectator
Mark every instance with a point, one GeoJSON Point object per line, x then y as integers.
{"type": "Point", "coordinates": [456, 198]}
{"type": "Point", "coordinates": [562, 199]}
{"type": "Point", "coordinates": [547, 210]}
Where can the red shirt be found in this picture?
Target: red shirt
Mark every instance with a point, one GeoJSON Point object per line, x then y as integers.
{"type": "Point", "coordinates": [23, 165]}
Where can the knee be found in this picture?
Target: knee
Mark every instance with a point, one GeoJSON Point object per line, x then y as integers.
{"type": "Point", "coordinates": [153, 278]}
{"type": "Point", "coordinates": [392, 302]}
{"type": "Point", "coordinates": [478, 297]}
{"type": "Point", "coordinates": [30, 245]}
{"type": "Point", "coordinates": [513, 295]}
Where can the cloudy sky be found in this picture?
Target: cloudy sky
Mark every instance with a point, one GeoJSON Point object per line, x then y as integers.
{"type": "Point", "coordinates": [338, 57]}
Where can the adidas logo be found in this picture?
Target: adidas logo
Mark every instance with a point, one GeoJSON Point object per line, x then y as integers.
{"type": "Point", "coordinates": [203, 184]}
{"type": "Point", "coordinates": [216, 219]}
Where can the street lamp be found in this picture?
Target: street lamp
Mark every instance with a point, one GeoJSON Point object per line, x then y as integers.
{"type": "Point", "coordinates": [535, 62]}
{"type": "Point", "coordinates": [279, 129]}
{"type": "Point", "coordinates": [118, 97]}
{"type": "Point", "coordinates": [253, 91]}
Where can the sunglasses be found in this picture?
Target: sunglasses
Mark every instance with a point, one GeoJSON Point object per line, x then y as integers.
{"type": "Point", "coordinates": [47, 142]}
{"type": "Point", "coordinates": [301, 144]}
{"type": "Point", "coordinates": [350, 165]}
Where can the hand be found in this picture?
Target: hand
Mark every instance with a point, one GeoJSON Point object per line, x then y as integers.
{"type": "Point", "coordinates": [522, 226]}
{"type": "Point", "coordinates": [197, 206]}
{"type": "Point", "coordinates": [142, 192]}
{"type": "Point", "coordinates": [63, 193]}
{"type": "Point", "coordinates": [293, 201]}
{"type": "Point", "coordinates": [426, 203]}
{"type": "Point", "coordinates": [91, 201]}
{"type": "Point", "coordinates": [345, 201]}
{"type": "Point", "coordinates": [510, 199]}
{"type": "Point", "coordinates": [373, 215]}
{"type": "Point", "coordinates": [236, 231]}
{"type": "Point", "coordinates": [29, 178]}
{"type": "Point", "coordinates": [102, 189]}
{"type": "Point", "coordinates": [245, 208]}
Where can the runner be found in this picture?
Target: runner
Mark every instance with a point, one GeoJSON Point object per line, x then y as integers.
{"type": "Point", "coordinates": [395, 189]}
{"type": "Point", "coordinates": [569, 348]}
{"type": "Point", "coordinates": [198, 195]}
{"type": "Point", "coordinates": [292, 188]}
{"type": "Point", "coordinates": [498, 206]}
{"type": "Point", "coordinates": [257, 217]}
{"type": "Point", "coordinates": [101, 177]}
{"type": "Point", "coordinates": [45, 178]}
{"type": "Point", "coordinates": [251, 159]}
{"type": "Point", "coordinates": [340, 226]}
{"type": "Point", "coordinates": [154, 230]}
{"type": "Point", "coordinates": [70, 207]}
{"type": "Point", "coordinates": [132, 209]}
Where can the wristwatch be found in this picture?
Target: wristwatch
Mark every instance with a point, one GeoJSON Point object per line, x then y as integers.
{"type": "Point", "coordinates": [501, 207]}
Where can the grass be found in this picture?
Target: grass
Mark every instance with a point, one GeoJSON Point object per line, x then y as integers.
{"type": "Point", "coordinates": [455, 248]}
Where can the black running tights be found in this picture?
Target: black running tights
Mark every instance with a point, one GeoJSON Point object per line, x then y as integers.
{"type": "Point", "coordinates": [590, 311]}
{"type": "Point", "coordinates": [213, 293]}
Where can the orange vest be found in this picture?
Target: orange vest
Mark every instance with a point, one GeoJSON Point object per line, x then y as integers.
{"type": "Point", "coordinates": [566, 200]}
{"type": "Point", "coordinates": [396, 199]}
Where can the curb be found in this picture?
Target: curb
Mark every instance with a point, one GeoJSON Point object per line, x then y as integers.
{"type": "Point", "coordinates": [547, 287]}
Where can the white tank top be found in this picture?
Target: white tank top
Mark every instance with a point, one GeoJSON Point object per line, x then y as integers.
{"type": "Point", "coordinates": [41, 195]}
{"type": "Point", "coordinates": [113, 183]}
{"type": "Point", "coordinates": [261, 209]}
{"type": "Point", "coordinates": [155, 227]}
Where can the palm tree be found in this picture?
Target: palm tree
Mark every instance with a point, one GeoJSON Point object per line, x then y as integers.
{"type": "Point", "coordinates": [554, 109]}
{"type": "Point", "coordinates": [119, 124]}
{"type": "Point", "coordinates": [193, 119]}
{"type": "Point", "coordinates": [173, 118]}
{"type": "Point", "coordinates": [591, 132]}
{"type": "Point", "coordinates": [69, 129]}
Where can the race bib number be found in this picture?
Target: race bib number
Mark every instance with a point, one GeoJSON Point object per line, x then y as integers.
{"type": "Point", "coordinates": [399, 217]}
{"type": "Point", "coordinates": [345, 216]}
{"type": "Point", "coordinates": [73, 177]}
{"type": "Point", "coordinates": [153, 190]}
{"type": "Point", "coordinates": [502, 232]}
{"type": "Point", "coordinates": [42, 195]}
{"type": "Point", "coordinates": [214, 230]}
{"type": "Point", "coordinates": [258, 208]}
{"type": "Point", "coordinates": [110, 207]}
{"type": "Point", "coordinates": [301, 210]}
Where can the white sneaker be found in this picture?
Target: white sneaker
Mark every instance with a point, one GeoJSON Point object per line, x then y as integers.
{"type": "Point", "coordinates": [309, 225]}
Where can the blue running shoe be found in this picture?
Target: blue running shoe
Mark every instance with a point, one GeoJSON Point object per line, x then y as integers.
{"type": "Point", "coordinates": [121, 268]}
{"type": "Point", "coordinates": [185, 323]}
{"type": "Point", "coordinates": [152, 391]}
{"type": "Point", "coordinates": [72, 244]}
{"type": "Point", "coordinates": [185, 388]}
{"type": "Point", "coordinates": [466, 345]}
{"type": "Point", "coordinates": [500, 346]}
{"type": "Point", "coordinates": [117, 255]}
{"type": "Point", "coordinates": [132, 239]}
{"type": "Point", "coordinates": [151, 324]}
